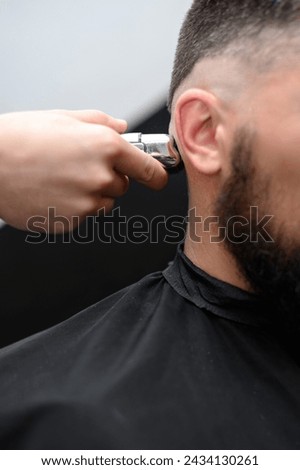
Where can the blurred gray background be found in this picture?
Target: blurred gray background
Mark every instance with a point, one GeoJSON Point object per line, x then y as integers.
{"type": "Point", "coordinates": [115, 55]}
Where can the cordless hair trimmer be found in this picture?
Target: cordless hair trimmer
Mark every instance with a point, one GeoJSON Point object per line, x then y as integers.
{"type": "Point", "coordinates": [162, 147]}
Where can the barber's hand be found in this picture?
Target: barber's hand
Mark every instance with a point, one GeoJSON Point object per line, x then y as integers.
{"type": "Point", "coordinates": [73, 161]}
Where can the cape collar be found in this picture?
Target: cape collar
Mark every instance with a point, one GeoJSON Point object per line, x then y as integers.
{"type": "Point", "coordinates": [218, 297]}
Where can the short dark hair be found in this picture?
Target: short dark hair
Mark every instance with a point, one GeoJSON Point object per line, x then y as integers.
{"type": "Point", "coordinates": [211, 26]}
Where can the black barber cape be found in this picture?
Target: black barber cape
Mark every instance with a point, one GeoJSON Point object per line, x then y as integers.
{"type": "Point", "coordinates": [178, 360]}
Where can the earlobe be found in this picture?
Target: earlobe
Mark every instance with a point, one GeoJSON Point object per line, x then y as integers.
{"type": "Point", "coordinates": [196, 125]}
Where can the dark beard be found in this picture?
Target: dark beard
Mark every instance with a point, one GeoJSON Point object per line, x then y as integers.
{"type": "Point", "coordinates": [272, 269]}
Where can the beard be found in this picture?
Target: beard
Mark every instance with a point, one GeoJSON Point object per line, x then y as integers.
{"type": "Point", "coordinates": [271, 268]}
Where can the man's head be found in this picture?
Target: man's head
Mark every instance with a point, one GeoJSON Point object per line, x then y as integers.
{"type": "Point", "coordinates": [235, 114]}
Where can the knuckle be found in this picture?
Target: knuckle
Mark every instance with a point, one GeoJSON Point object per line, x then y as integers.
{"type": "Point", "coordinates": [86, 207]}
{"type": "Point", "coordinates": [110, 143]}
{"type": "Point", "coordinates": [99, 178]}
{"type": "Point", "coordinates": [97, 116]}
{"type": "Point", "coordinates": [105, 181]}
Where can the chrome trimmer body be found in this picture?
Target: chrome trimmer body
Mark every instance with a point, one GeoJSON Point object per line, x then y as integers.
{"type": "Point", "coordinates": [162, 147]}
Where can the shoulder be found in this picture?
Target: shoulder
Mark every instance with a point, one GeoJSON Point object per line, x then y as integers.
{"type": "Point", "coordinates": [130, 301]}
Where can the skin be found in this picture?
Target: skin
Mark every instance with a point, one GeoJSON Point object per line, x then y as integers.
{"type": "Point", "coordinates": [206, 114]}
{"type": "Point", "coordinates": [74, 161]}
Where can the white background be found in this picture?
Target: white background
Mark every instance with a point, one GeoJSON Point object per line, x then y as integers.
{"type": "Point", "coordinates": [267, 460]}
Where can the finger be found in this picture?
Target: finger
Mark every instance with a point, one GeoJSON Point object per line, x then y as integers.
{"type": "Point", "coordinates": [93, 116]}
{"type": "Point", "coordinates": [140, 166]}
{"type": "Point", "coordinates": [114, 186]}
{"type": "Point", "coordinates": [104, 205]}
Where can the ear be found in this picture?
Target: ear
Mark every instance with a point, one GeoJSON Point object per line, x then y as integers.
{"type": "Point", "coordinates": [196, 126]}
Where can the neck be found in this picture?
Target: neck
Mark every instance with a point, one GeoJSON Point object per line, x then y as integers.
{"type": "Point", "coordinates": [213, 258]}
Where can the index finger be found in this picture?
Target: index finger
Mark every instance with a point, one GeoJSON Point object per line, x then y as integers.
{"type": "Point", "coordinates": [140, 166]}
{"type": "Point", "coordinates": [94, 116]}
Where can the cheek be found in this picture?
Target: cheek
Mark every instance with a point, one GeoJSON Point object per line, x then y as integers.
{"type": "Point", "coordinates": [277, 154]}
{"type": "Point", "coordinates": [277, 159]}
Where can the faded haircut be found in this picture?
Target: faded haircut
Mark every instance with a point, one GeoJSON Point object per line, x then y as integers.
{"type": "Point", "coordinates": [215, 27]}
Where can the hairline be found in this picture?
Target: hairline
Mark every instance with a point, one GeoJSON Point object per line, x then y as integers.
{"type": "Point", "coordinates": [260, 52]}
